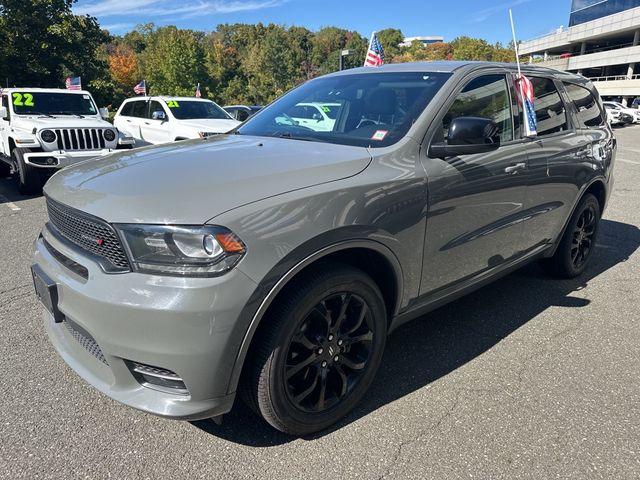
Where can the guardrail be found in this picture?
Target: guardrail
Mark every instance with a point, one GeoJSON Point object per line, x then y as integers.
{"type": "Point", "coordinates": [614, 78]}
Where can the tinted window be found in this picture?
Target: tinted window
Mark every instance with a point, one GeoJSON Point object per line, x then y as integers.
{"type": "Point", "coordinates": [587, 106]}
{"type": "Point", "coordinates": [44, 103]}
{"type": "Point", "coordinates": [139, 109]}
{"type": "Point", "coordinates": [486, 97]}
{"type": "Point", "coordinates": [242, 115]}
{"type": "Point", "coordinates": [189, 109]}
{"type": "Point", "coordinates": [373, 109]}
{"type": "Point", "coordinates": [127, 109]}
{"type": "Point", "coordinates": [155, 107]}
{"type": "Point", "coordinates": [550, 111]}
{"type": "Point", "coordinates": [4, 102]}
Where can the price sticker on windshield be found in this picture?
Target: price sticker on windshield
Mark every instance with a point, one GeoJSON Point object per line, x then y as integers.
{"type": "Point", "coordinates": [379, 135]}
{"type": "Point", "coordinates": [23, 99]}
{"type": "Point", "coordinates": [173, 104]}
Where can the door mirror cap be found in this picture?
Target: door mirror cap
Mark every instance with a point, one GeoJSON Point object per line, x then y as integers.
{"type": "Point", "coordinates": [104, 113]}
{"type": "Point", "coordinates": [158, 115]}
{"type": "Point", "coordinates": [468, 135]}
{"type": "Point", "coordinates": [3, 112]}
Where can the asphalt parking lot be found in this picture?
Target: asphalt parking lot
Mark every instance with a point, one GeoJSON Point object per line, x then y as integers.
{"type": "Point", "coordinates": [526, 378]}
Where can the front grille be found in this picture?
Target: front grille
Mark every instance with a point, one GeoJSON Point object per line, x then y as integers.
{"type": "Point", "coordinates": [85, 340]}
{"type": "Point", "coordinates": [89, 233]}
{"type": "Point", "coordinates": [80, 138]}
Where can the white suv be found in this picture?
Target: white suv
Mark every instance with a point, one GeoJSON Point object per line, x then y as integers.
{"type": "Point", "coordinates": [635, 113]}
{"type": "Point", "coordinates": [45, 129]}
{"type": "Point", "coordinates": [154, 120]}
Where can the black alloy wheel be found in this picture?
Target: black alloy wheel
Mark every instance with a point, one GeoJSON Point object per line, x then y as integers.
{"type": "Point", "coordinates": [317, 350]}
{"type": "Point", "coordinates": [329, 353]}
{"type": "Point", "coordinates": [578, 242]}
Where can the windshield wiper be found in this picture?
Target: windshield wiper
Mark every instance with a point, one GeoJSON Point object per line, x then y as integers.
{"type": "Point", "coordinates": [296, 137]}
{"type": "Point", "coordinates": [68, 113]}
{"type": "Point", "coordinates": [40, 114]}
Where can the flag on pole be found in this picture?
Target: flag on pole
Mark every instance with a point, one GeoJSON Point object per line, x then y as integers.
{"type": "Point", "coordinates": [526, 97]}
{"type": "Point", "coordinates": [73, 83]}
{"type": "Point", "coordinates": [198, 94]}
{"type": "Point", "coordinates": [140, 88]}
{"type": "Point", "coordinates": [375, 53]}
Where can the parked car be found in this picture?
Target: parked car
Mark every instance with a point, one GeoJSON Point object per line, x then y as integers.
{"type": "Point", "coordinates": [155, 120]}
{"type": "Point", "coordinates": [631, 112]}
{"type": "Point", "coordinates": [242, 112]}
{"type": "Point", "coordinates": [273, 263]}
{"type": "Point", "coordinates": [45, 129]}
{"type": "Point", "coordinates": [315, 115]}
{"type": "Point", "coordinates": [614, 117]}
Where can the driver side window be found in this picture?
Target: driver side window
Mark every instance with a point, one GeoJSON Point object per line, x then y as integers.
{"type": "Point", "coordinates": [486, 97]}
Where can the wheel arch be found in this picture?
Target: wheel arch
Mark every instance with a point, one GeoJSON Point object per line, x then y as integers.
{"type": "Point", "coordinates": [360, 253]}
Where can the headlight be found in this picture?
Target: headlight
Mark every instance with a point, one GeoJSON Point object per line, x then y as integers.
{"type": "Point", "coordinates": [109, 135]}
{"type": "Point", "coordinates": [48, 136]}
{"type": "Point", "coordinates": [205, 251]}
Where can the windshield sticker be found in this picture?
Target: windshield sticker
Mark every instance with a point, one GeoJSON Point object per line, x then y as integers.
{"type": "Point", "coordinates": [325, 109]}
{"type": "Point", "coordinates": [173, 104]}
{"type": "Point", "coordinates": [23, 99]}
{"type": "Point", "coordinates": [379, 135]}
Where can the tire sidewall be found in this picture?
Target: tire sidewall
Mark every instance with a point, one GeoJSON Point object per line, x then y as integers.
{"type": "Point", "coordinates": [589, 201]}
{"type": "Point", "coordinates": [359, 284]}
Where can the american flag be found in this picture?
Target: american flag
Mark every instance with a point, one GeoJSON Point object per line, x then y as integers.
{"type": "Point", "coordinates": [526, 98]}
{"type": "Point", "coordinates": [73, 83]}
{"type": "Point", "coordinates": [375, 54]}
{"type": "Point", "coordinates": [198, 94]}
{"type": "Point", "coordinates": [140, 88]}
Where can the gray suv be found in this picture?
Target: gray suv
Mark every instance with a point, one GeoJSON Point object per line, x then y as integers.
{"type": "Point", "coordinates": [274, 261]}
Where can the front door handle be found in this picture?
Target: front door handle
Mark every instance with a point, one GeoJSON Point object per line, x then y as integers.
{"type": "Point", "coordinates": [512, 169]}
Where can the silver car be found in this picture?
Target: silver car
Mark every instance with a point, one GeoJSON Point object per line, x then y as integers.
{"type": "Point", "coordinates": [274, 261]}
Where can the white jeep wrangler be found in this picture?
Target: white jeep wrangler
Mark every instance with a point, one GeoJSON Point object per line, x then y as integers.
{"type": "Point", "coordinates": [44, 130]}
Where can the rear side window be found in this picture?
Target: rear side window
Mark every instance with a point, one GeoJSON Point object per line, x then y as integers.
{"type": "Point", "coordinates": [587, 106]}
{"type": "Point", "coordinates": [127, 109]}
{"type": "Point", "coordinates": [487, 97]}
{"type": "Point", "coordinates": [550, 111]}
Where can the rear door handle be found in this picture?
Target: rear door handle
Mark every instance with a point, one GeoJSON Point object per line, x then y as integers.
{"type": "Point", "coordinates": [512, 169]}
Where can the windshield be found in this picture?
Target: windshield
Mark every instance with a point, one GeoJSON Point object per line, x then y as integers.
{"type": "Point", "coordinates": [367, 109]}
{"type": "Point", "coordinates": [42, 103]}
{"type": "Point", "coordinates": [189, 110]}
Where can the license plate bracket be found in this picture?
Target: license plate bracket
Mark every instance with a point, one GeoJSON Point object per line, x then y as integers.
{"type": "Point", "coordinates": [47, 292]}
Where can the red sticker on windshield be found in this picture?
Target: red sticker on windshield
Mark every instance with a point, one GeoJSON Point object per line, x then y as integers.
{"type": "Point", "coordinates": [379, 135]}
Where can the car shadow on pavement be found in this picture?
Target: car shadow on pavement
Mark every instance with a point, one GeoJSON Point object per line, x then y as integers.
{"type": "Point", "coordinates": [9, 191]}
{"type": "Point", "coordinates": [429, 348]}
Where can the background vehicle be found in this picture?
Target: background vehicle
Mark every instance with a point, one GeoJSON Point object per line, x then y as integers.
{"type": "Point", "coordinates": [275, 264]}
{"type": "Point", "coordinates": [614, 117]}
{"type": "Point", "coordinates": [317, 116]}
{"type": "Point", "coordinates": [632, 112]}
{"type": "Point", "coordinates": [242, 112]}
{"type": "Point", "coordinates": [154, 120]}
{"type": "Point", "coordinates": [43, 130]}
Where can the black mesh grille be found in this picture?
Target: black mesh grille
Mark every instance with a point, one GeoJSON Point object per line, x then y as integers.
{"type": "Point", "coordinates": [89, 233]}
{"type": "Point", "coordinates": [85, 340]}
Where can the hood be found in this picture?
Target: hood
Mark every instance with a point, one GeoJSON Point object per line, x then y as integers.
{"type": "Point", "coordinates": [191, 182]}
{"type": "Point", "coordinates": [210, 125]}
{"type": "Point", "coordinates": [66, 121]}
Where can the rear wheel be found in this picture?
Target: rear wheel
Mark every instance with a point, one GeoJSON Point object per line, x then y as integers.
{"type": "Point", "coordinates": [29, 178]}
{"type": "Point", "coordinates": [578, 242]}
{"type": "Point", "coordinates": [318, 351]}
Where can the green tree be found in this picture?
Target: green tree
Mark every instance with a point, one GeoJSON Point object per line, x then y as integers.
{"type": "Point", "coordinates": [173, 61]}
{"type": "Point", "coordinates": [467, 48]}
{"type": "Point", "coordinates": [42, 41]}
{"type": "Point", "coordinates": [390, 39]}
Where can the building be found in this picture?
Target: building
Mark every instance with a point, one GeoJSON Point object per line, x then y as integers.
{"type": "Point", "coordinates": [424, 40]}
{"type": "Point", "coordinates": [601, 43]}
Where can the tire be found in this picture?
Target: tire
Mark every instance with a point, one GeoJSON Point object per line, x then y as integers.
{"type": "Point", "coordinates": [29, 178]}
{"type": "Point", "coordinates": [578, 241]}
{"type": "Point", "coordinates": [300, 325]}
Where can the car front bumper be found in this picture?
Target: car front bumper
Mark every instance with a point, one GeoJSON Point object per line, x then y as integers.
{"type": "Point", "coordinates": [61, 158]}
{"type": "Point", "coordinates": [186, 326]}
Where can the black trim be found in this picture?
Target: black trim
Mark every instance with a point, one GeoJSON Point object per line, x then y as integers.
{"type": "Point", "coordinates": [66, 261]}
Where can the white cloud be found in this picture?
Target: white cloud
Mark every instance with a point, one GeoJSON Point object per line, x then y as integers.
{"type": "Point", "coordinates": [482, 15]}
{"type": "Point", "coordinates": [163, 8]}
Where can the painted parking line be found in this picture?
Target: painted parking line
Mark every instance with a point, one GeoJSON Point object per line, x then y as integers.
{"type": "Point", "coordinates": [624, 160]}
{"type": "Point", "coordinates": [9, 204]}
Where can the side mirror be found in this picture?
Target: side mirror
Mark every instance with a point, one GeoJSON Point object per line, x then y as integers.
{"type": "Point", "coordinates": [468, 135]}
{"type": "Point", "coordinates": [104, 113]}
{"type": "Point", "coordinates": [158, 115]}
{"type": "Point", "coordinates": [3, 112]}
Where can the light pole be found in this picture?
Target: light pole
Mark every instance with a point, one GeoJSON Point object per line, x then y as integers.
{"type": "Point", "coordinates": [343, 54]}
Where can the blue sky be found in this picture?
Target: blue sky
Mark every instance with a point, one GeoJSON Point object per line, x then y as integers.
{"type": "Point", "coordinates": [488, 19]}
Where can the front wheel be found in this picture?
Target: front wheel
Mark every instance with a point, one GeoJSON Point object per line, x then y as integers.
{"type": "Point", "coordinates": [29, 178]}
{"type": "Point", "coordinates": [578, 241]}
{"type": "Point", "coordinates": [318, 350]}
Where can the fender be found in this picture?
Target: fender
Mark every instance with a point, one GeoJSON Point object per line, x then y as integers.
{"type": "Point", "coordinates": [266, 294]}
